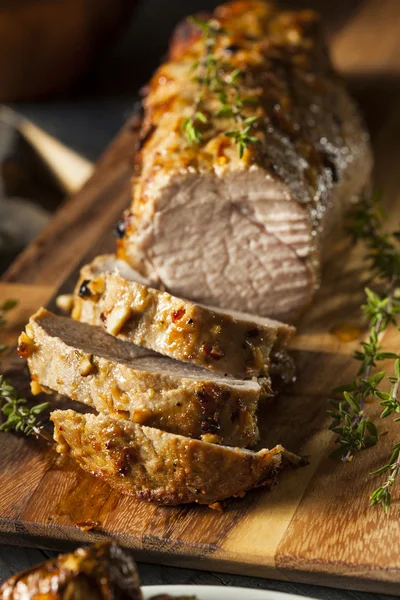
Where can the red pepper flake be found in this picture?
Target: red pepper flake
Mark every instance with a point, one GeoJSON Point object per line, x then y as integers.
{"type": "Point", "coordinates": [178, 314]}
{"type": "Point", "coordinates": [23, 350]}
{"type": "Point", "coordinates": [215, 353]}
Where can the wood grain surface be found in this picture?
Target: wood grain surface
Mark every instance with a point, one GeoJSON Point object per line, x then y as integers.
{"type": "Point", "coordinates": [316, 526]}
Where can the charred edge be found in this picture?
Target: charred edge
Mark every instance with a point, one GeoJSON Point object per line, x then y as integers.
{"type": "Point", "coordinates": [126, 458]}
{"type": "Point", "coordinates": [329, 163]}
{"type": "Point", "coordinates": [185, 33]}
{"type": "Point", "coordinates": [84, 290]}
{"type": "Point", "coordinates": [232, 49]}
{"type": "Point", "coordinates": [170, 498]}
{"type": "Point", "coordinates": [210, 400]}
{"type": "Point", "coordinates": [135, 120]}
{"type": "Point", "coordinates": [253, 333]}
{"type": "Point", "coordinates": [119, 229]}
{"type": "Point", "coordinates": [144, 137]}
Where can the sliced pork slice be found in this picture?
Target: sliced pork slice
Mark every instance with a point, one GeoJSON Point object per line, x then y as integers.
{"type": "Point", "coordinates": [162, 467]}
{"type": "Point", "coordinates": [247, 233]}
{"type": "Point", "coordinates": [91, 366]}
{"type": "Point", "coordinates": [112, 295]}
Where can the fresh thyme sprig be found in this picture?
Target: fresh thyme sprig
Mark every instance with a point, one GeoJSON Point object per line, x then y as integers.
{"type": "Point", "coordinates": [355, 429]}
{"type": "Point", "coordinates": [391, 403]}
{"type": "Point", "coordinates": [218, 80]}
{"type": "Point", "coordinates": [232, 105]}
{"type": "Point", "coordinates": [206, 69]}
{"type": "Point", "coordinates": [390, 400]}
{"type": "Point", "coordinates": [382, 495]}
{"type": "Point", "coordinates": [19, 417]}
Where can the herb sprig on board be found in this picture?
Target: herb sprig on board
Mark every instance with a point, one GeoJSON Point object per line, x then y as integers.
{"type": "Point", "coordinates": [19, 417]}
{"type": "Point", "coordinates": [218, 80]}
{"type": "Point", "coordinates": [355, 430]}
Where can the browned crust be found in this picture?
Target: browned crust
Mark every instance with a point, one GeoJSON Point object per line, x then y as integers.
{"type": "Point", "coordinates": [159, 467]}
{"type": "Point", "coordinates": [183, 36]}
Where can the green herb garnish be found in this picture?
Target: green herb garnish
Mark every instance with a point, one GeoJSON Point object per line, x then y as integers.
{"type": "Point", "coordinates": [354, 428]}
{"type": "Point", "coordinates": [217, 79]}
{"type": "Point", "coordinates": [20, 418]}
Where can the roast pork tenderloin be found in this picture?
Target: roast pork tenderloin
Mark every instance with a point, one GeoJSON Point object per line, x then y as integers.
{"type": "Point", "coordinates": [247, 233]}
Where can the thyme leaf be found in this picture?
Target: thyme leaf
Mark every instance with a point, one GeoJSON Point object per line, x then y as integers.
{"type": "Point", "coordinates": [382, 495]}
{"type": "Point", "coordinates": [19, 417]}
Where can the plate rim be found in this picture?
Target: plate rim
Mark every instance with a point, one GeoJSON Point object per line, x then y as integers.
{"type": "Point", "coordinates": [191, 588]}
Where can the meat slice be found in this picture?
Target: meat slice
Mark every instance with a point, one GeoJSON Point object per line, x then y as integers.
{"type": "Point", "coordinates": [112, 295]}
{"type": "Point", "coordinates": [245, 233]}
{"type": "Point", "coordinates": [100, 572]}
{"type": "Point", "coordinates": [91, 366]}
{"type": "Point", "coordinates": [162, 467]}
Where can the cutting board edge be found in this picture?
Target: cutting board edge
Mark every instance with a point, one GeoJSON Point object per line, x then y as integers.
{"type": "Point", "coordinates": [335, 580]}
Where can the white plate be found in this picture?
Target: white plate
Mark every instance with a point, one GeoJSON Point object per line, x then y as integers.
{"type": "Point", "coordinates": [212, 592]}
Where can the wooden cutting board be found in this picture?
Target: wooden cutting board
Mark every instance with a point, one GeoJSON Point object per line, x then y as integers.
{"type": "Point", "coordinates": [316, 526]}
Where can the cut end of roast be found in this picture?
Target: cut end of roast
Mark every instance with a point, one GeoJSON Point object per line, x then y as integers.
{"type": "Point", "coordinates": [237, 242]}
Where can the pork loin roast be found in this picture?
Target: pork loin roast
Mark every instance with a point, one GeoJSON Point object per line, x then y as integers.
{"type": "Point", "coordinates": [162, 467]}
{"type": "Point", "coordinates": [88, 365]}
{"type": "Point", "coordinates": [111, 295]}
{"type": "Point", "coordinates": [246, 233]}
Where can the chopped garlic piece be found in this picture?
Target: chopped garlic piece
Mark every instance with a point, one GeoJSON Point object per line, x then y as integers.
{"type": "Point", "coordinates": [36, 388]}
{"type": "Point", "coordinates": [65, 302]}
{"type": "Point", "coordinates": [117, 319]}
{"type": "Point", "coordinates": [86, 366]}
{"type": "Point", "coordinates": [97, 286]}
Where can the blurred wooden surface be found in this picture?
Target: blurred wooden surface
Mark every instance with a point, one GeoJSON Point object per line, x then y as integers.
{"type": "Point", "coordinates": [317, 526]}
